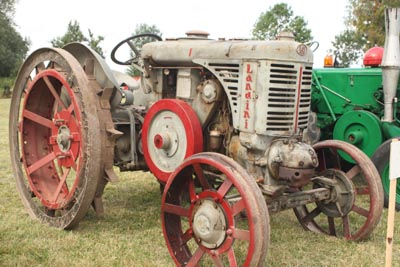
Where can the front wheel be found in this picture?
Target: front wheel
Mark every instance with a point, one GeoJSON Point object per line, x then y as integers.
{"type": "Point", "coordinates": [356, 202]}
{"type": "Point", "coordinates": [214, 213]}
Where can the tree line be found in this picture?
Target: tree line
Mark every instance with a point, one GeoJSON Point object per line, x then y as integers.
{"type": "Point", "coordinates": [364, 28]}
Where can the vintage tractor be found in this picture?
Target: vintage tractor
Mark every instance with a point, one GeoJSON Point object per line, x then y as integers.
{"type": "Point", "coordinates": [219, 123]}
{"type": "Point", "coordinates": [359, 105]}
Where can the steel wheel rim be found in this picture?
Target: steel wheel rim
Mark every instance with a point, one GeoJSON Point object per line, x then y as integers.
{"type": "Point", "coordinates": [359, 223]}
{"type": "Point", "coordinates": [178, 236]}
{"type": "Point", "coordinates": [63, 195]}
{"type": "Point", "coordinates": [66, 152]}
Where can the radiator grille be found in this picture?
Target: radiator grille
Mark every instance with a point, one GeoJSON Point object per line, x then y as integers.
{"type": "Point", "coordinates": [289, 96]}
{"type": "Point", "coordinates": [228, 75]}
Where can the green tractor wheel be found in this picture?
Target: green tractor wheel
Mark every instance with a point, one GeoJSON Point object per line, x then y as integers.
{"type": "Point", "coordinates": [381, 160]}
{"type": "Point", "coordinates": [360, 128]}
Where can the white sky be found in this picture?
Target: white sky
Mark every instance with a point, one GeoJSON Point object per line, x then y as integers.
{"type": "Point", "coordinates": [43, 20]}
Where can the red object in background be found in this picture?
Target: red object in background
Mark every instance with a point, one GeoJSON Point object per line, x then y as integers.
{"type": "Point", "coordinates": [373, 57]}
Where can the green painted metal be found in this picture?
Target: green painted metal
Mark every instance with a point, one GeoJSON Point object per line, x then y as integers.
{"type": "Point", "coordinates": [349, 107]}
{"type": "Point", "coordinates": [360, 128]}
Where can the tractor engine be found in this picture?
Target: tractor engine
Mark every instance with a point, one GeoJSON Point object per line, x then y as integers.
{"type": "Point", "coordinates": [247, 99]}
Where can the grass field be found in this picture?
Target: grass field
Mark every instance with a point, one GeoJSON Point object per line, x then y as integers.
{"type": "Point", "coordinates": [130, 234]}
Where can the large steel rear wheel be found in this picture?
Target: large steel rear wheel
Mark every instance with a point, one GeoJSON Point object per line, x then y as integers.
{"type": "Point", "coordinates": [54, 138]}
{"type": "Point", "coordinates": [213, 214]}
{"type": "Point", "coordinates": [356, 205]}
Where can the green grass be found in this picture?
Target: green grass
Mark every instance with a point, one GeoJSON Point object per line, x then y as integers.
{"type": "Point", "coordinates": [130, 234]}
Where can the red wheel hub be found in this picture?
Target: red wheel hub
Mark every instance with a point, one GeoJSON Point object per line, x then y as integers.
{"type": "Point", "coordinates": [51, 136]}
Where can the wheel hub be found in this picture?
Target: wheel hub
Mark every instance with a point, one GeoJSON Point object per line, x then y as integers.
{"type": "Point", "coordinates": [63, 138]}
{"type": "Point", "coordinates": [167, 141]}
{"type": "Point", "coordinates": [343, 196]}
{"type": "Point", "coordinates": [209, 224]}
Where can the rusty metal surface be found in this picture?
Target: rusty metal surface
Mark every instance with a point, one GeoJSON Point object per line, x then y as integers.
{"type": "Point", "coordinates": [88, 161]}
{"type": "Point", "coordinates": [368, 195]}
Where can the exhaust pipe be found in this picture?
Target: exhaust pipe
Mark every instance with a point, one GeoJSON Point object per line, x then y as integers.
{"type": "Point", "coordinates": [391, 61]}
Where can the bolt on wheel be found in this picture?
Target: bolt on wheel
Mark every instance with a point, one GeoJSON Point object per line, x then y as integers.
{"type": "Point", "coordinates": [54, 138]}
{"type": "Point", "coordinates": [214, 213]}
{"type": "Point", "coordinates": [356, 202]}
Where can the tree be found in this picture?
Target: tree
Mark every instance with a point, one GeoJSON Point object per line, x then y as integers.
{"type": "Point", "coordinates": [75, 34]}
{"type": "Point", "coordinates": [281, 18]}
{"type": "Point", "coordinates": [7, 7]}
{"type": "Point", "coordinates": [13, 47]}
{"type": "Point", "coordinates": [141, 29]}
{"type": "Point", "coordinates": [365, 28]}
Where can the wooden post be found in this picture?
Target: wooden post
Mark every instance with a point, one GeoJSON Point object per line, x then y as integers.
{"type": "Point", "coordinates": [394, 173]}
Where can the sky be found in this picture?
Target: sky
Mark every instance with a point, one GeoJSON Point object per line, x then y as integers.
{"type": "Point", "coordinates": [43, 20]}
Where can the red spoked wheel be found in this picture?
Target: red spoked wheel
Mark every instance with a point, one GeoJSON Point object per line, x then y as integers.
{"type": "Point", "coordinates": [356, 204]}
{"type": "Point", "coordinates": [54, 138]}
{"type": "Point", "coordinates": [171, 132]}
{"type": "Point", "coordinates": [214, 213]}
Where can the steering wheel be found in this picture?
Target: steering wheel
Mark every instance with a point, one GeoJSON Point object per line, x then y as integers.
{"type": "Point", "coordinates": [135, 45]}
{"type": "Point", "coordinates": [313, 45]}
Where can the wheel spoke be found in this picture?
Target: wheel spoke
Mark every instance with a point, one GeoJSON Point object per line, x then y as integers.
{"type": "Point", "coordinates": [41, 162]}
{"type": "Point", "coordinates": [40, 67]}
{"type": "Point", "coordinates": [54, 92]}
{"type": "Point", "coordinates": [363, 190]}
{"type": "Point", "coordinates": [70, 108]}
{"type": "Point", "coordinates": [241, 234]}
{"type": "Point", "coordinates": [73, 162]}
{"type": "Point", "coordinates": [177, 210]}
{"type": "Point", "coordinates": [331, 223]}
{"type": "Point", "coordinates": [232, 258]}
{"type": "Point", "coordinates": [224, 188]}
{"type": "Point", "coordinates": [37, 118]}
{"type": "Point", "coordinates": [192, 190]}
{"type": "Point", "coordinates": [217, 260]}
{"type": "Point", "coordinates": [200, 175]}
{"type": "Point", "coordinates": [196, 257]}
{"type": "Point", "coordinates": [353, 172]}
{"type": "Point", "coordinates": [310, 216]}
{"type": "Point", "coordinates": [346, 227]}
{"type": "Point", "coordinates": [60, 185]}
{"type": "Point", "coordinates": [238, 207]}
{"type": "Point", "coordinates": [186, 236]}
{"type": "Point", "coordinates": [360, 210]}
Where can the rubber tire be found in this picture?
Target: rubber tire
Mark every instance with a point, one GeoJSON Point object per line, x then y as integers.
{"type": "Point", "coordinates": [381, 158]}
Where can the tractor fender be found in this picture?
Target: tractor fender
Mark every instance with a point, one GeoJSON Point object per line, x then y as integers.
{"type": "Point", "coordinates": [95, 66]}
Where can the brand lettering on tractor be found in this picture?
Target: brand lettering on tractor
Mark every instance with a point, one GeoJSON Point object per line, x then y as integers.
{"type": "Point", "coordinates": [247, 96]}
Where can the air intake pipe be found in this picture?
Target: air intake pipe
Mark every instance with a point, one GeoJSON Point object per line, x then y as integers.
{"type": "Point", "coordinates": [391, 61]}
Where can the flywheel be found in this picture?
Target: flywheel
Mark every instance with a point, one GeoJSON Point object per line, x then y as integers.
{"type": "Point", "coordinates": [54, 138]}
{"type": "Point", "coordinates": [171, 133]}
{"type": "Point", "coordinates": [360, 128]}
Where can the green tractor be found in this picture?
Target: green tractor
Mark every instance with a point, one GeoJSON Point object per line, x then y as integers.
{"type": "Point", "coordinates": [359, 106]}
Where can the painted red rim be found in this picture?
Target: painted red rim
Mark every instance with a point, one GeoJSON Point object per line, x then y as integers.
{"type": "Point", "coordinates": [193, 133]}
{"type": "Point", "coordinates": [50, 132]}
{"type": "Point", "coordinates": [174, 210]}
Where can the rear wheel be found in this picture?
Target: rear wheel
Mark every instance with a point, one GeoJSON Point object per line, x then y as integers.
{"type": "Point", "coordinates": [55, 138]}
{"type": "Point", "coordinates": [356, 203]}
{"type": "Point", "coordinates": [213, 214]}
{"type": "Point", "coordinates": [381, 159]}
